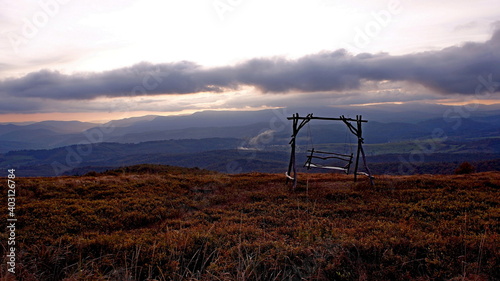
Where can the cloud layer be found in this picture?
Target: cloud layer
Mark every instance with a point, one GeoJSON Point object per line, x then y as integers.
{"type": "Point", "coordinates": [454, 70]}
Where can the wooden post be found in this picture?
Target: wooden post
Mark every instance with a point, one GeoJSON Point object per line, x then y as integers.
{"type": "Point", "coordinates": [360, 141]}
{"type": "Point", "coordinates": [294, 144]}
{"type": "Point", "coordinates": [296, 128]}
{"type": "Point", "coordinates": [291, 165]}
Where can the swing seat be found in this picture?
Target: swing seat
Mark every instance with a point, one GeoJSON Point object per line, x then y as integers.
{"type": "Point", "coordinates": [328, 155]}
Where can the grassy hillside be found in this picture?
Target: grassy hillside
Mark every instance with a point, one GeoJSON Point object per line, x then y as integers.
{"type": "Point", "coordinates": [164, 223]}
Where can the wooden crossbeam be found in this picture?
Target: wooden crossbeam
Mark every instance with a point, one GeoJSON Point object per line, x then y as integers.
{"type": "Point", "coordinates": [324, 118]}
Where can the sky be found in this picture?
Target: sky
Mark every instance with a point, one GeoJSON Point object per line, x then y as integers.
{"type": "Point", "coordinates": [101, 60]}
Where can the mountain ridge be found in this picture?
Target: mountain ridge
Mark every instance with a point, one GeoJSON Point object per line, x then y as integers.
{"type": "Point", "coordinates": [207, 124]}
{"type": "Point", "coordinates": [144, 139]}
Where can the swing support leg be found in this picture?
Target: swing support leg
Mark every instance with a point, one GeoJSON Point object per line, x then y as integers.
{"type": "Point", "coordinates": [292, 153]}
{"type": "Point", "coordinates": [360, 141]}
{"type": "Point", "coordinates": [295, 130]}
{"type": "Point", "coordinates": [359, 133]}
{"type": "Point", "coordinates": [366, 167]}
{"type": "Point", "coordinates": [291, 165]}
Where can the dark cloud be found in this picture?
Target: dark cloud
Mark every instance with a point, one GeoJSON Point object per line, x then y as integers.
{"type": "Point", "coordinates": [140, 79]}
{"type": "Point", "coordinates": [15, 105]}
{"type": "Point", "coordinates": [454, 70]}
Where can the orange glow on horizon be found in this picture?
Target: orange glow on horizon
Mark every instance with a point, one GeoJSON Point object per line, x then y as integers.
{"type": "Point", "coordinates": [103, 117]}
{"type": "Point", "coordinates": [378, 103]}
{"type": "Point", "coordinates": [441, 102]}
{"type": "Point", "coordinates": [93, 117]}
{"type": "Point", "coordinates": [459, 103]}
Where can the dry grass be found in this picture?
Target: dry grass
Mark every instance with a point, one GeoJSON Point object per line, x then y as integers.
{"type": "Point", "coordinates": [159, 223]}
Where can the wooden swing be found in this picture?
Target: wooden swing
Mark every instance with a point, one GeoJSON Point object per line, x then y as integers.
{"type": "Point", "coordinates": [328, 155]}
{"type": "Point", "coordinates": [342, 161]}
{"type": "Point", "coordinates": [315, 155]}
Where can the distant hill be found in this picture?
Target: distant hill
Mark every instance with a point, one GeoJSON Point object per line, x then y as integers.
{"type": "Point", "coordinates": [230, 155]}
{"type": "Point", "coordinates": [387, 123]}
{"type": "Point", "coordinates": [242, 141]}
{"type": "Point", "coordinates": [41, 135]}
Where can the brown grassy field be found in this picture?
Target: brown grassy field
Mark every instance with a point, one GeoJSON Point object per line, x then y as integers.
{"type": "Point", "coordinates": [163, 223]}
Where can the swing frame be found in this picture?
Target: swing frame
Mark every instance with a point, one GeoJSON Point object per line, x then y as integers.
{"type": "Point", "coordinates": [291, 174]}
